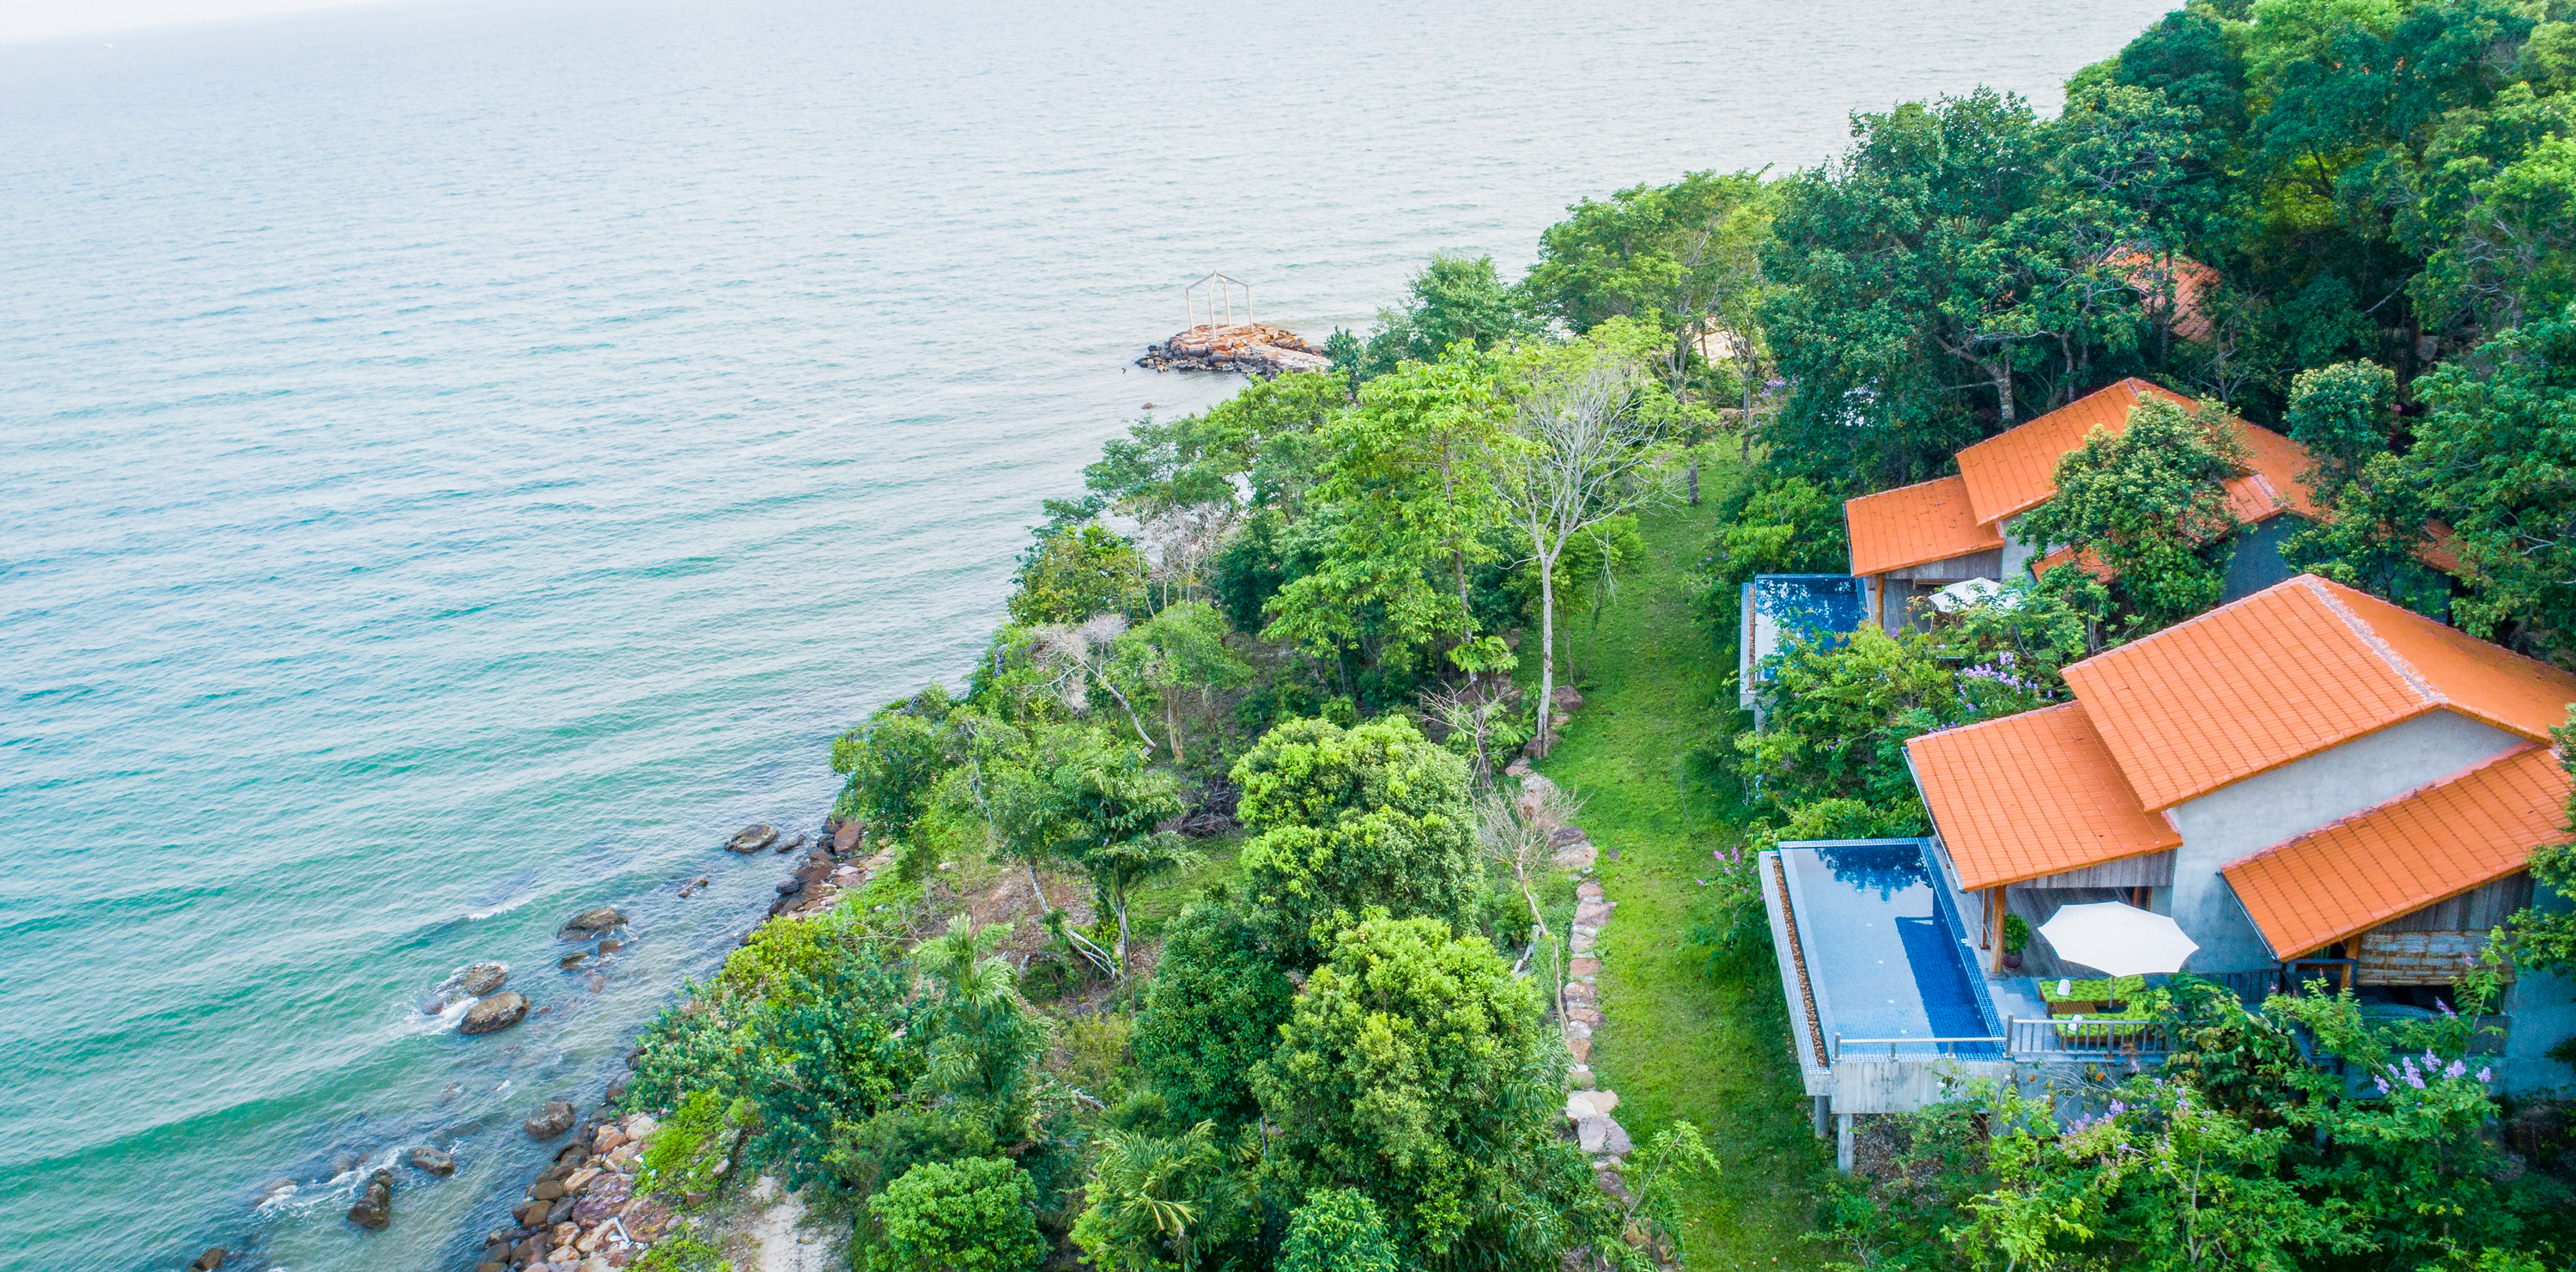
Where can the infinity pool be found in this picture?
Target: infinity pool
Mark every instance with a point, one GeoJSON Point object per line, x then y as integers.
{"type": "Point", "coordinates": [1884, 950]}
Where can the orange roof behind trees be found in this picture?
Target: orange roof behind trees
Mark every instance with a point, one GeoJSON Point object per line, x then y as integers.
{"type": "Point", "coordinates": [1914, 525]}
{"type": "Point", "coordinates": [2292, 670]}
{"type": "Point", "coordinates": [2463, 832]}
{"type": "Point", "coordinates": [2016, 470]}
{"type": "Point", "coordinates": [2029, 795]}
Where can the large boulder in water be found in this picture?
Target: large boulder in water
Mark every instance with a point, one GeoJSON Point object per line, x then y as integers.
{"type": "Point", "coordinates": [550, 1121]}
{"type": "Point", "coordinates": [375, 1206]}
{"type": "Point", "coordinates": [482, 978]}
{"type": "Point", "coordinates": [591, 922]}
{"type": "Point", "coordinates": [494, 1014]}
{"type": "Point", "coordinates": [435, 1161]}
{"type": "Point", "coordinates": [752, 839]}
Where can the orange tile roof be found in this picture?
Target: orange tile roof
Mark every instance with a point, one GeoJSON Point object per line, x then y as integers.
{"type": "Point", "coordinates": [2468, 830]}
{"type": "Point", "coordinates": [2016, 470]}
{"type": "Point", "coordinates": [2292, 670]}
{"type": "Point", "coordinates": [1914, 525]}
{"type": "Point", "coordinates": [2029, 795]}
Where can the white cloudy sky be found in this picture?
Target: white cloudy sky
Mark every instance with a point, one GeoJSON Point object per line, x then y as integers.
{"type": "Point", "coordinates": [46, 19]}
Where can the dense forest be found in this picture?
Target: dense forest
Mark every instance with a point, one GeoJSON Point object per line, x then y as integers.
{"type": "Point", "coordinates": [1282, 988]}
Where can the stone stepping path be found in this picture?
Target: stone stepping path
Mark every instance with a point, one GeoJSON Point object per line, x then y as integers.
{"type": "Point", "coordinates": [1587, 1108]}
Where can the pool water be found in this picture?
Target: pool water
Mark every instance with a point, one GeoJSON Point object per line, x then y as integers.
{"type": "Point", "coordinates": [1885, 952]}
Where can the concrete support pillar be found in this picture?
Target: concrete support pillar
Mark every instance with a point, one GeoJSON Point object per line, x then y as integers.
{"type": "Point", "coordinates": [1843, 1142]}
{"type": "Point", "coordinates": [1821, 1114]}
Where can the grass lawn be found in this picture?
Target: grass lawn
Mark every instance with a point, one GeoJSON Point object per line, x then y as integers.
{"type": "Point", "coordinates": [1681, 1042]}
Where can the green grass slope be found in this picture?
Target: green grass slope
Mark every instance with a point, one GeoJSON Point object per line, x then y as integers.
{"type": "Point", "coordinates": [1681, 1042]}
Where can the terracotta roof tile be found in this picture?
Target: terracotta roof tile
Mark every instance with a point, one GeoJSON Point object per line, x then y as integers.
{"type": "Point", "coordinates": [2431, 844]}
{"type": "Point", "coordinates": [1914, 525]}
{"type": "Point", "coordinates": [2292, 670]}
{"type": "Point", "coordinates": [2030, 795]}
{"type": "Point", "coordinates": [2016, 470]}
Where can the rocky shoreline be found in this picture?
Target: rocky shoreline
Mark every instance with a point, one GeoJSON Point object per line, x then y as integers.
{"type": "Point", "coordinates": [583, 1213]}
{"type": "Point", "coordinates": [1250, 348]}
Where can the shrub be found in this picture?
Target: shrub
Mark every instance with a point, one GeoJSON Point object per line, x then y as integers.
{"type": "Point", "coordinates": [1077, 573]}
{"type": "Point", "coordinates": [687, 1149]}
{"type": "Point", "coordinates": [1337, 1230]}
{"type": "Point", "coordinates": [1349, 819]}
{"type": "Point", "coordinates": [1215, 1009]}
{"type": "Point", "coordinates": [1417, 1070]}
{"type": "Point", "coordinates": [973, 1215]}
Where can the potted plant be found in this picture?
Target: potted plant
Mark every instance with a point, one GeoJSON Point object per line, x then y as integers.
{"type": "Point", "coordinates": [2016, 938]}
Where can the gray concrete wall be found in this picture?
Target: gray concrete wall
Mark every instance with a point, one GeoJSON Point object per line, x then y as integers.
{"type": "Point", "coordinates": [2543, 1011]}
{"type": "Point", "coordinates": [2254, 814]}
{"type": "Point", "coordinates": [2017, 555]}
{"type": "Point", "coordinates": [2256, 563]}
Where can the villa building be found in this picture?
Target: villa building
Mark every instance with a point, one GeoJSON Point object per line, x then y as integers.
{"type": "Point", "coordinates": [1913, 540]}
{"type": "Point", "coordinates": [2312, 783]}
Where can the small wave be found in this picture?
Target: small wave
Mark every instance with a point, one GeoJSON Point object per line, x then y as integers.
{"type": "Point", "coordinates": [420, 1022]}
{"type": "Point", "coordinates": [518, 902]}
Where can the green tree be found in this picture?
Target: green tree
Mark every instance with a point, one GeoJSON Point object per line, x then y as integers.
{"type": "Point", "coordinates": [1419, 1072]}
{"type": "Point", "coordinates": [978, 1214]}
{"type": "Point", "coordinates": [1349, 819]}
{"type": "Point", "coordinates": [1075, 574]}
{"type": "Point", "coordinates": [1179, 651]}
{"type": "Point", "coordinates": [981, 1039]}
{"type": "Point", "coordinates": [1579, 453]}
{"type": "Point", "coordinates": [2342, 414]}
{"type": "Point", "coordinates": [1454, 300]}
{"type": "Point", "coordinates": [1404, 513]}
{"type": "Point", "coordinates": [1686, 258]}
{"type": "Point", "coordinates": [2151, 505]}
{"type": "Point", "coordinates": [1214, 1011]}
{"type": "Point", "coordinates": [1942, 259]}
{"type": "Point", "coordinates": [1164, 1205]}
{"type": "Point", "coordinates": [2496, 453]}
{"type": "Point", "coordinates": [893, 762]}
{"type": "Point", "coordinates": [1337, 1230]}
{"type": "Point", "coordinates": [1087, 798]}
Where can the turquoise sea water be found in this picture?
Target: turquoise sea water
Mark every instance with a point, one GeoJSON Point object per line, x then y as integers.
{"type": "Point", "coordinates": [462, 461]}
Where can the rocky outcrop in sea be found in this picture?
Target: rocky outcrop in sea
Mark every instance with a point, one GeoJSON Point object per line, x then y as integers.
{"type": "Point", "coordinates": [1251, 348]}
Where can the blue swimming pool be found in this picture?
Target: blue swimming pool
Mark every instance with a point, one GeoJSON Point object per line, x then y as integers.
{"type": "Point", "coordinates": [1884, 951]}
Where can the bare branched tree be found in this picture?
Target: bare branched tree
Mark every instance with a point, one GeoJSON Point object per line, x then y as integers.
{"type": "Point", "coordinates": [1516, 838]}
{"type": "Point", "coordinates": [1079, 658]}
{"type": "Point", "coordinates": [1477, 708]}
{"type": "Point", "coordinates": [1577, 453]}
{"type": "Point", "coordinates": [1179, 541]}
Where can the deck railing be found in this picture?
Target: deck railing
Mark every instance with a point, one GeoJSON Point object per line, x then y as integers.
{"type": "Point", "coordinates": [1940, 1046]}
{"type": "Point", "coordinates": [2073, 1035]}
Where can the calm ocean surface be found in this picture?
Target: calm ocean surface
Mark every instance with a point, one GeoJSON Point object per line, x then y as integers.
{"type": "Point", "coordinates": [461, 462]}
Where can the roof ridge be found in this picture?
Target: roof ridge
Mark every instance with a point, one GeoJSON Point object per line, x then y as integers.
{"type": "Point", "coordinates": [2460, 775]}
{"type": "Point", "coordinates": [2377, 644]}
{"type": "Point", "coordinates": [1957, 729]}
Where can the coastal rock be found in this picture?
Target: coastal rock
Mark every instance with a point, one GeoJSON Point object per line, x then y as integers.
{"type": "Point", "coordinates": [494, 1014]}
{"type": "Point", "coordinates": [375, 1206]}
{"type": "Point", "coordinates": [606, 1139]}
{"type": "Point", "coordinates": [529, 1212]}
{"type": "Point", "coordinates": [1566, 698]}
{"type": "Point", "coordinates": [791, 887]}
{"type": "Point", "coordinates": [482, 978]}
{"type": "Point", "coordinates": [592, 922]}
{"type": "Point", "coordinates": [640, 1128]}
{"type": "Point", "coordinates": [436, 1161]}
{"type": "Point", "coordinates": [611, 945]}
{"type": "Point", "coordinates": [793, 843]}
{"type": "Point", "coordinates": [1252, 348]}
{"type": "Point", "coordinates": [572, 960]}
{"type": "Point", "coordinates": [212, 1259]}
{"type": "Point", "coordinates": [550, 1121]}
{"type": "Point", "coordinates": [846, 836]}
{"type": "Point", "coordinates": [752, 839]}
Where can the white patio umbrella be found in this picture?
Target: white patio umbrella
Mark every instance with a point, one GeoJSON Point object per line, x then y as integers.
{"type": "Point", "coordinates": [2118, 939]}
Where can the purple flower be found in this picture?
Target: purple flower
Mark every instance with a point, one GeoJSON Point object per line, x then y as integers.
{"type": "Point", "coordinates": [2118, 1108]}
{"type": "Point", "coordinates": [2458, 1069]}
{"type": "Point", "coordinates": [2381, 1083]}
{"type": "Point", "coordinates": [2486, 1075]}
